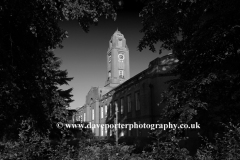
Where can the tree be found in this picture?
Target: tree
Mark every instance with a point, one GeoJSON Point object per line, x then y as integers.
{"type": "Point", "coordinates": [30, 74]}
{"type": "Point", "coordinates": [204, 36]}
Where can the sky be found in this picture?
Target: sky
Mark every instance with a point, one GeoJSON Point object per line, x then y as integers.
{"type": "Point", "coordinates": [84, 54]}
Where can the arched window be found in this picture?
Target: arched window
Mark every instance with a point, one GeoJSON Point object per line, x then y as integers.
{"type": "Point", "coordinates": [120, 42]}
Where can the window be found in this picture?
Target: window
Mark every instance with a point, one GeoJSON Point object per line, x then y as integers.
{"type": "Point", "coordinates": [137, 100]}
{"type": "Point", "coordinates": [121, 104]}
{"type": "Point", "coordinates": [109, 74]}
{"type": "Point", "coordinates": [121, 75]}
{"type": "Point", "coordinates": [77, 118]}
{"type": "Point", "coordinates": [109, 58]}
{"type": "Point", "coordinates": [120, 42]}
{"type": "Point", "coordinates": [129, 103]}
{"type": "Point", "coordinates": [101, 131]}
{"type": "Point", "coordinates": [110, 108]}
{"type": "Point", "coordinates": [73, 118]}
{"type": "Point", "coordinates": [110, 132]}
{"type": "Point", "coordinates": [105, 110]}
{"type": "Point", "coordinates": [116, 106]}
{"type": "Point", "coordinates": [106, 129]}
{"type": "Point", "coordinates": [101, 112]}
{"type": "Point", "coordinates": [92, 114]}
{"type": "Point", "coordinates": [84, 117]}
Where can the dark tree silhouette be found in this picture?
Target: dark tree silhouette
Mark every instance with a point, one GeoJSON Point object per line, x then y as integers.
{"type": "Point", "coordinates": [205, 36]}
{"type": "Point", "coordinates": [29, 71]}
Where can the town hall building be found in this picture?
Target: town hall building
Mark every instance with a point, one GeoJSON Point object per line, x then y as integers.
{"type": "Point", "coordinates": [123, 99]}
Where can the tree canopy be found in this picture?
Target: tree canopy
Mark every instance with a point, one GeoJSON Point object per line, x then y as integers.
{"type": "Point", "coordinates": [205, 36]}
{"type": "Point", "coordinates": [30, 76]}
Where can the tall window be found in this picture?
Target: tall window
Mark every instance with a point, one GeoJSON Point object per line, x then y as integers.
{"type": "Point", "coordinates": [106, 129]}
{"type": "Point", "coordinates": [111, 132]}
{"type": "Point", "coordinates": [109, 74]}
{"type": "Point", "coordinates": [105, 110]}
{"type": "Point", "coordinates": [102, 131]}
{"type": "Point", "coordinates": [84, 117]}
{"type": "Point", "coordinates": [101, 111]}
{"type": "Point", "coordinates": [109, 58]}
{"type": "Point", "coordinates": [121, 104]}
{"type": "Point", "coordinates": [120, 42]}
{"type": "Point", "coordinates": [137, 100]}
{"type": "Point", "coordinates": [78, 118]}
{"type": "Point", "coordinates": [110, 108]}
{"type": "Point", "coordinates": [116, 106]}
{"type": "Point", "coordinates": [129, 103]}
{"type": "Point", "coordinates": [92, 114]}
{"type": "Point", "coordinates": [121, 75]}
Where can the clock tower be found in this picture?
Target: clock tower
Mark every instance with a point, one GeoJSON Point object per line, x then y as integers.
{"type": "Point", "coordinates": [118, 70]}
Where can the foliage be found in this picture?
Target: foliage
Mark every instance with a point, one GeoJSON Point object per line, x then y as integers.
{"type": "Point", "coordinates": [104, 151]}
{"type": "Point", "coordinates": [204, 36]}
{"type": "Point", "coordinates": [165, 147]}
{"type": "Point", "coordinates": [30, 72]}
{"type": "Point", "coordinates": [31, 94]}
{"type": "Point", "coordinates": [39, 147]}
{"type": "Point", "coordinates": [84, 133]}
{"type": "Point", "coordinates": [225, 147]}
{"type": "Point", "coordinates": [35, 146]}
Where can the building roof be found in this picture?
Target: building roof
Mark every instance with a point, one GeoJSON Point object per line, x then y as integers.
{"type": "Point", "coordinates": [160, 65]}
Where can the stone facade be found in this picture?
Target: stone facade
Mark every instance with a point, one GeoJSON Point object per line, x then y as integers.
{"type": "Point", "coordinates": [137, 99]}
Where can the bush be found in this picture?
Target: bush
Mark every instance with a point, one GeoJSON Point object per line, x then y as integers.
{"type": "Point", "coordinates": [35, 147]}
{"type": "Point", "coordinates": [224, 147]}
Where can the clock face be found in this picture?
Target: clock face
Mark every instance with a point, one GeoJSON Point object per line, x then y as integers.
{"type": "Point", "coordinates": [121, 57]}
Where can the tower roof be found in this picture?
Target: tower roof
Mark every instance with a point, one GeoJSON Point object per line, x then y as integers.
{"type": "Point", "coordinates": [117, 31]}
